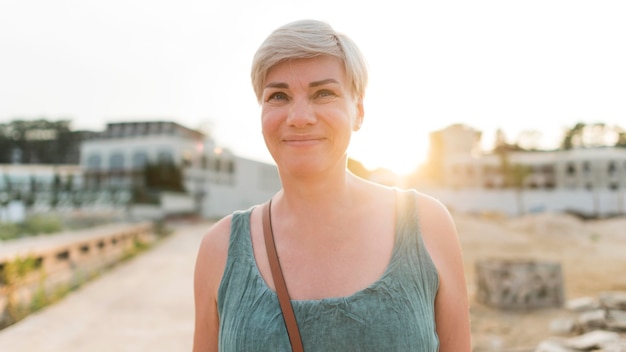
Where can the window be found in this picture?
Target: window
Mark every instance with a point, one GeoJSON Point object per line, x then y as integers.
{"type": "Point", "coordinates": [586, 168]}
{"type": "Point", "coordinates": [116, 161]}
{"type": "Point", "coordinates": [612, 168]}
{"type": "Point", "coordinates": [571, 169]}
{"type": "Point", "coordinates": [94, 162]}
{"type": "Point", "coordinates": [165, 156]}
{"type": "Point", "coordinates": [140, 158]}
{"type": "Point", "coordinates": [230, 167]}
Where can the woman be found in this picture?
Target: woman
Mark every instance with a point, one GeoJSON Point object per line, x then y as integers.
{"type": "Point", "coordinates": [367, 267]}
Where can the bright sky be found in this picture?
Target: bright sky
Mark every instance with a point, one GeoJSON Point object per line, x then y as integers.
{"type": "Point", "coordinates": [515, 65]}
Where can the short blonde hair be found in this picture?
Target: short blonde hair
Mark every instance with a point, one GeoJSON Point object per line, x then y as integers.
{"type": "Point", "coordinates": [306, 39]}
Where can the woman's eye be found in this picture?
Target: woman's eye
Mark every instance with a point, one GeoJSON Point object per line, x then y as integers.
{"type": "Point", "coordinates": [324, 93]}
{"type": "Point", "coordinates": [277, 96]}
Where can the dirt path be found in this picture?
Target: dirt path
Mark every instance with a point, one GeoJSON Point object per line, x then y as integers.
{"type": "Point", "coordinates": [145, 304]}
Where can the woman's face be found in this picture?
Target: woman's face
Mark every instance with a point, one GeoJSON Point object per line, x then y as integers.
{"type": "Point", "coordinates": [308, 115]}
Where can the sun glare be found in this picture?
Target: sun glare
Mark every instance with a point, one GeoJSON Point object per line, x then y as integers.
{"type": "Point", "coordinates": [401, 155]}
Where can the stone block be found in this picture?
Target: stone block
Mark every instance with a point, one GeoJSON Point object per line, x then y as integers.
{"type": "Point", "coordinates": [616, 320]}
{"type": "Point", "coordinates": [593, 339]}
{"type": "Point", "coordinates": [613, 300]}
{"type": "Point", "coordinates": [553, 346]}
{"type": "Point", "coordinates": [519, 284]}
{"type": "Point", "coordinates": [582, 304]}
{"type": "Point", "coordinates": [592, 320]}
{"type": "Point", "coordinates": [563, 326]}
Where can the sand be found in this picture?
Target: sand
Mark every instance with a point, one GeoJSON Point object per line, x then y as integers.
{"type": "Point", "coordinates": [592, 254]}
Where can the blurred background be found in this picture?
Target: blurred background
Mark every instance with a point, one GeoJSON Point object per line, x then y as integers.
{"type": "Point", "coordinates": [127, 127]}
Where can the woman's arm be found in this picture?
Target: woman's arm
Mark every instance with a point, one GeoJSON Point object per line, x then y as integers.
{"type": "Point", "coordinates": [208, 273]}
{"type": "Point", "coordinates": [452, 303]}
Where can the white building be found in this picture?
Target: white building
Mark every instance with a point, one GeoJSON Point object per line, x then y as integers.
{"type": "Point", "coordinates": [594, 168]}
{"type": "Point", "coordinates": [24, 178]}
{"type": "Point", "coordinates": [589, 181]}
{"type": "Point", "coordinates": [217, 181]}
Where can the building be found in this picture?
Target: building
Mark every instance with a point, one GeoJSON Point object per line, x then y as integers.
{"type": "Point", "coordinates": [590, 181]}
{"type": "Point", "coordinates": [217, 181]}
{"type": "Point", "coordinates": [592, 168]}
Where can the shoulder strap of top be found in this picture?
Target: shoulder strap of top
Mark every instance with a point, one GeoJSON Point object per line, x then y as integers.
{"type": "Point", "coordinates": [279, 281]}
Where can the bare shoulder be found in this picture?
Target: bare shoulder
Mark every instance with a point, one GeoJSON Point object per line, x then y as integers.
{"type": "Point", "coordinates": [218, 234]}
{"type": "Point", "coordinates": [436, 222]}
{"type": "Point", "coordinates": [212, 254]}
{"type": "Point", "coordinates": [208, 273]}
{"type": "Point", "coordinates": [452, 306]}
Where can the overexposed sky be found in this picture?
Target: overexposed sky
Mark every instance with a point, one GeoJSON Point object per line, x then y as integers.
{"type": "Point", "coordinates": [515, 65]}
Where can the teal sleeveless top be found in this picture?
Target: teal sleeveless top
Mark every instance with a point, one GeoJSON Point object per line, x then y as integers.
{"type": "Point", "coordinates": [395, 313]}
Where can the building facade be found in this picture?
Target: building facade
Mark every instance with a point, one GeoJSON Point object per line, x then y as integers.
{"type": "Point", "coordinates": [217, 181]}
{"type": "Point", "coordinates": [587, 169]}
{"type": "Point", "coordinates": [588, 181]}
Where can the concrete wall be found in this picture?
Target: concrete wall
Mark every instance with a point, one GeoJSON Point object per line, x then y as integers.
{"type": "Point", "coordinates": [63, 261]}
{"type": "Point", "coordinates": [253, 183]}
{"type": "Point", "coordinates": [510, 202]}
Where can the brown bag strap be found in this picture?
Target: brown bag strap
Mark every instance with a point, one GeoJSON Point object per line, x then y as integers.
{"type": "Point", "coordinates": [279, 281]}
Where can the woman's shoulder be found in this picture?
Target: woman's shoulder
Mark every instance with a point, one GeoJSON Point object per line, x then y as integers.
{"type": "Point", "coordinates": [436, 222]}
{"type": "Point", "coordinates": [216, 239]}
{"type": "Point", "coordinates": [213, 249]}
{"type": "Point", "coordinates": [217, 235]}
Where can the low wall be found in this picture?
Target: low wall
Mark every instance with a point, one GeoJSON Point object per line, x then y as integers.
{"type": "Point", "coordinates": [35, 269]}
{"type": "Point", "coordinates": [599, 203]}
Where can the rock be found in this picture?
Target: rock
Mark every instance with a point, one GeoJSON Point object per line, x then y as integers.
{"type": "Point", "coordinates": [592, 340]}
{"type": "Point", "coordinates": [563, 326]}
{"type": "Point", "coordinates": [519, 284]}
{"type": "Point", "coordinates": [614, 346]}
{"type": "Point", "coordinates": [553, 346]}
{"type": "Point", "coordinates": [603, 320]}
{"type": "Point", "coordinates": [616, 320]}
{"type": "Point", "coordinates": [582, 304]}
{"type": "Point", "coordinates": [613, 300]}
{"type": "Point", "coordinates": [592, 320]}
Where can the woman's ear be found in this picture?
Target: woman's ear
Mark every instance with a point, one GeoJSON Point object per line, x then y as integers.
{"type": "Point", "coordinates": [360, 114]}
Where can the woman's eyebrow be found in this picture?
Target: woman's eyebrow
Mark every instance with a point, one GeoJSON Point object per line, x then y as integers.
{"type": "Point", "coordinates": [276, 85]}
{"type": "Point", "coordinates": [323, 82]}
{"type": "Point", "coordinates": [311, 85]}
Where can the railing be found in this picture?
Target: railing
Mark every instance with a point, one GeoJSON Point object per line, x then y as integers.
{"type": "Point", "coordinates": [36, 270]}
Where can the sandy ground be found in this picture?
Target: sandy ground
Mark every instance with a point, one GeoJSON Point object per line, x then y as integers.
{"type": "Point", "coordinates": [146, 304]}
{"type": "Point", "coordinates": [592, 256]}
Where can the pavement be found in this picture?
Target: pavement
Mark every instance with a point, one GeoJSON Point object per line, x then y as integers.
{"type": "Point", "coordinates": [144, 304]}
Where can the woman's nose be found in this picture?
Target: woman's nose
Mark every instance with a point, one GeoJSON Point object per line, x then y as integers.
{"type": "Point", "coordinates": [301, 113]}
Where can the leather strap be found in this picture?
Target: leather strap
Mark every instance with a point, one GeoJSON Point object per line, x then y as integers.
{"type": "Point", "coordinates": [279, 281]}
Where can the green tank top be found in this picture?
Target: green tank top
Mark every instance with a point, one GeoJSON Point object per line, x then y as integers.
{"type": "Point", "coordinates": [395, 313]}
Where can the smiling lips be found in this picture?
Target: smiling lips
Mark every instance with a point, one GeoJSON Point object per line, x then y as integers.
{"type": "Point", "coordinates": [302, 140]}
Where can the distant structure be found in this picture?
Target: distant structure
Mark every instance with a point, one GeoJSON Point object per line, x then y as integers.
{"type": "Point", "coordinates": [587, 181]}
{"type": "Point", "coordinates": [464, 167]}
{"type": "Point", "coordinates": [218, 181]}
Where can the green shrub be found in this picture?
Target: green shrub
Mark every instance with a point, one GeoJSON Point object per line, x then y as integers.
{"type": "Point", "coordinates": [38, 224]}
{"type": "Point", "coordinates": [8, 231]}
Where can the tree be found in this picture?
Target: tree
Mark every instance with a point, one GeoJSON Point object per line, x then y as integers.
{"type": "Point", "coordinates": [39, 141]}
{"type": "Point", "coordinates": [621, 137]}
{"type": "Point", "coordinates": [593, 135]}
{"type": "Point", "coordinates": [573, 137]}
{"type": "Point", "coordinates": [163, 176]}
{"type": "Point", "coordinates": [513, 175]}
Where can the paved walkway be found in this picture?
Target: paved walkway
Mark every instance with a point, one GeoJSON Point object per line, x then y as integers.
{"type": "Point", "coordinates": [145, 304]}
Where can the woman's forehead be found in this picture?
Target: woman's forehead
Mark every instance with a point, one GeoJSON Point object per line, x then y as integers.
{"type": "Point", "coordinates": [317, 69]}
